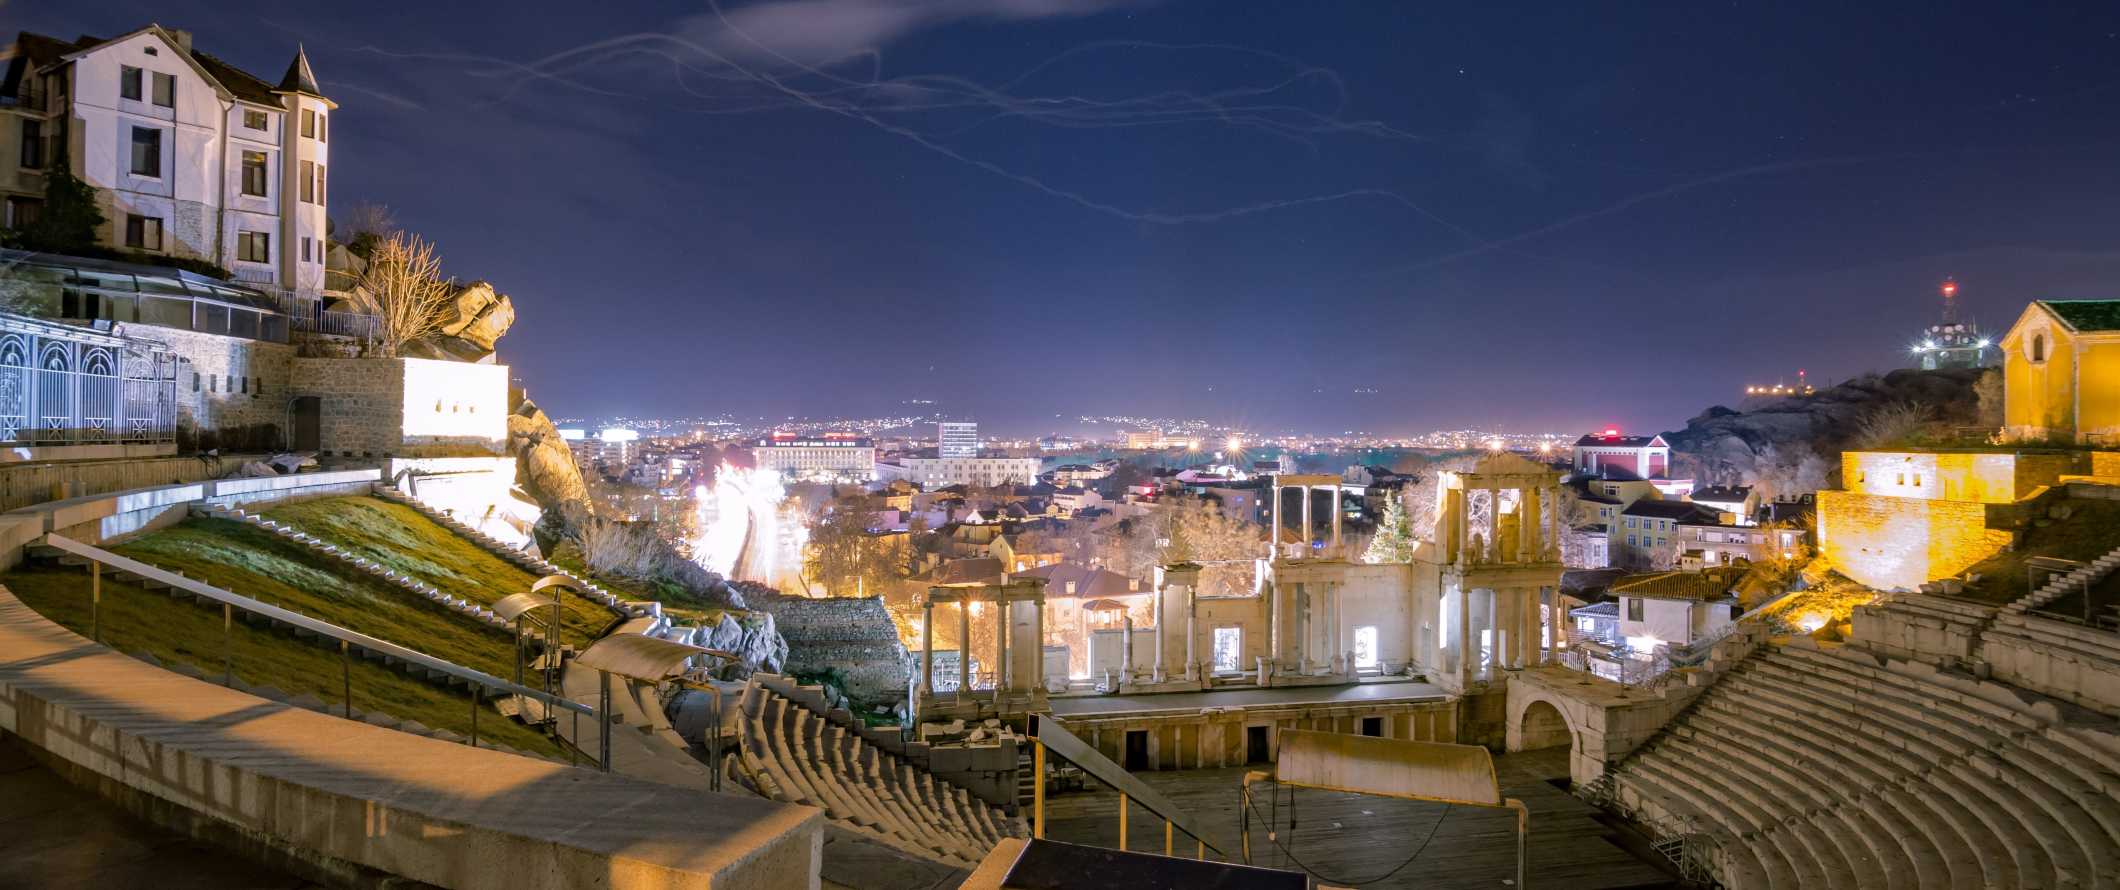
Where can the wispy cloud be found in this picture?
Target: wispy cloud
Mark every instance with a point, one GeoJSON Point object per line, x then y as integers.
{"type": "Point", "coordinates": [820, 31]}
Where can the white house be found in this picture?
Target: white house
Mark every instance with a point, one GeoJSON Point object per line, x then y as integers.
{"type": "Point", "coordinates": [190, 156]}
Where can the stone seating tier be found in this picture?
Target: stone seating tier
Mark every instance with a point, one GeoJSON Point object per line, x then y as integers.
{"type": "Point", "coordinates": [1811, 767]}
{"type": "Point", "coordinates": [793, 749]}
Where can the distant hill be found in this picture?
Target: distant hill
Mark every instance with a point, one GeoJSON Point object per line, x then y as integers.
{"type": "Point", "coordinates": [1793, 445]}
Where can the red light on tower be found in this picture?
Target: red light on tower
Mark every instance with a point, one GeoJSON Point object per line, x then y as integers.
{"type": "Point", "coordinates": [1950, 288]}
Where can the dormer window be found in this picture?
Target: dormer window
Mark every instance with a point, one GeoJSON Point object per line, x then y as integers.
{"type": "Point", "coordinates": [129, 82]}
{"type": "Point", "coordinates": [2038, 347]}
{"type": "Point", "coordinates": [254, 119]}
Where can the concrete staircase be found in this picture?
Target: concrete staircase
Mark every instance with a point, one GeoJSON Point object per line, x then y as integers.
{"type": "Point", "coordinates": [793, 750]}
{"type": "Point", "coordinates": [2061, 585]}
{"type": "Point", "coordinates": [1833, 768]}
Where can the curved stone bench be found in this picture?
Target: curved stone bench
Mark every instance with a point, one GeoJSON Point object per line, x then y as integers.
{"type": "Point", "coordinates": [342, 794]}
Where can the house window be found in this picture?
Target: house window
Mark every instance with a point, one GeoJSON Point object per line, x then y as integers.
{"type": "Point", "coordinates": [21, 212]}
{"type": "Point", "coordinates": [253, 119]}
{"type": "Point", "coordinates": [320, 185]}
{"type": "Point", "coordinates": [165, 90]}
{"type": "Point", "coordinates": [323, 128]}
{"type": "Point", "coordinates": [143, 232]}
{"type": "Point", "coordinates": [254, 173]}
{"type": "Point", "coordinates": [305, 248]}
{"type": "Point", "coordinates": [309, 123]}
{"type": "Point", "coordinates": [254, 247]}
{"type": "Point", "coordinates": [129, 82]}
{"type": "Point", "coordinates": [32, 144]}
{"type": "Point", "coordinates": [309, 188]}
{"type": "Point", "coordinates": [146, 151]}
{"type": "Point", "coordinates": [1634, 609]}
{"type": "Point", "coordinates": [2038, 347]}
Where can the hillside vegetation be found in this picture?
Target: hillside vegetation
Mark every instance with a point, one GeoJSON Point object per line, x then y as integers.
{"type": "Point", "coordinates": [1792, 445]}
{"type": "Point", "coordinates": [138, 620]}
{"type": "Point", "coordinates": [408, 542]}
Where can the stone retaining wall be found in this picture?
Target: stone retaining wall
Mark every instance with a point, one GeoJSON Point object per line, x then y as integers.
{"type": "Point", "coordinates": [854, 636]}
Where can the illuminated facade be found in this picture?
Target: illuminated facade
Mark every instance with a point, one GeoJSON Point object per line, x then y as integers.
{"type": "Point", "coordinates": [189, 156]}
{"type": "Point", "coordinates": [1910, 517]}
{"type": "Point", "coordinates": [2061, 372]}
{"type": "Point", "coordinates": [832, 456]}
{"type": "Point", "coordinates": [957, 439]}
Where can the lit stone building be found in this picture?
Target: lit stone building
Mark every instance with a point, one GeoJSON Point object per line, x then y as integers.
{"type": "Point", "coordinates": [956, 439]}
{"type": "Point", "coordinates": [985, 471]}
{"type": "Point", "coordinates": [190, 157]}
{"type": "Point", "coordinates": [841, 457]}
{"type": "Point", "coordinates": [2061, 372]}
{"type": "Point", "coordinates": [1613, 455]}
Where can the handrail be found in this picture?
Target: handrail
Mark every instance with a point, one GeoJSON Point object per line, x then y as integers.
{"type": "Point", "coordinates": [1048, 733]}
{"type": "Point", "coordinates": [324, 628]}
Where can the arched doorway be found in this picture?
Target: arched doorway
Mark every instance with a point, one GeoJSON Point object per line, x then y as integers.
{"type": "Point", "coordinates": [1542, 726]}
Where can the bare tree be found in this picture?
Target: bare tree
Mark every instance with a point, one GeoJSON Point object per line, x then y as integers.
{"type": "Point", "coordinates": [1899, 423]}
{"type": "Point", "coordinates": [367, 225]}
{"type": "Point", "coordinates": [412, 301]}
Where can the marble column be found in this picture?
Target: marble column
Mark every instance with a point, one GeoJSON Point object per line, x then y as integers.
{"type": "Point", "coordinates": [1001, 618]}
{"type": "Point", "coordinates": [1126, 647]}
{"type": "Point", "coordinates": [1040, 636]}
{"type": "Point", "coordinates": [927, 648]}
{"type": "Point", "coordinates": [1466, 649]}
{"type": "Point", "coordinates": [1528, 520]}
{"type": "Point", "coordinates": [964, 648]}
{"type": "Point", "coordinates": [1192, 632]}
{"type": "Point", "coordinates": [1273, 532]}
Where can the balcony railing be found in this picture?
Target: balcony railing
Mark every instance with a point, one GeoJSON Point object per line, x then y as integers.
{"type": "Point", "coordinates": [64, 387]}
{"type": "Point", "coordinates": [307, 314]}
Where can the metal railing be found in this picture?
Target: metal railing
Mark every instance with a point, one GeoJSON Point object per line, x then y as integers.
{"type": "Point", "coordinates": [62, 387]}
{"type": "Point", "coordinates": [307, 314]}
{"type": "Point", "coordinates": [350, 642]}
{"type": "Point", "coordinates": [1047, 734]}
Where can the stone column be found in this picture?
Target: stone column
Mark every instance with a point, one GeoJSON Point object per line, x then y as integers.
{"type": "Point", "coordinates": [1528, 520]}
{"type": "Point", "coordinates": [1126, 647]}
{"type": "Point", "coordinates": [1040, 636]}
{"type": "Point", "coordinates": [1273, 532]}
{"type": "Point", "coordinates": [1001, 619]}
{"type": "Point", "coordinates": [927, 647]}
{"type": "Point", "coordinates": [1162, 629]}
{"type": "Point", "coordinates": [1192, 632]}
{"type": "Point", "coordinates": [1466, 650]}
{"type": "Point", "coordinates": [964, 648]}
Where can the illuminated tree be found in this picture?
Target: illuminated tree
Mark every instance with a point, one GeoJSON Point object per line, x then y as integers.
{"type": "Point", "coordinates": [404, 280]}
{"type": "Point", "coordinates": [1394, 541]}
{"type": "Point", "coordinates": [845, 559]}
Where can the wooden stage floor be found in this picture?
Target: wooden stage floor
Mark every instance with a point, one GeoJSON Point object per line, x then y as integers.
{"type": "Point", "coordinates": [1352, 840]}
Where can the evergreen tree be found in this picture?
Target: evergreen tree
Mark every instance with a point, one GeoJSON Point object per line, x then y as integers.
{"type": "Point", "coordinates": [1394, 539]}
{"type": "Point", "coordinates": [70, 219]}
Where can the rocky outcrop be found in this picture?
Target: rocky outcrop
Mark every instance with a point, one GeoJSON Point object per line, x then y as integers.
{"type": "Point", "coordinates": [544, 467]}
{"type": "Point", "coordinates": [757, 644]}
{"type": "Point", "coordinates": [852, 637]}
{"type": "Point", "coordinates": [473, 323]}
{"type": "Point", "coordinates": [1792, 445]}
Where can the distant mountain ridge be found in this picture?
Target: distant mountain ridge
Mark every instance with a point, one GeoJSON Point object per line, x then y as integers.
{"type": "Point", "coordinates": [1792, 445]}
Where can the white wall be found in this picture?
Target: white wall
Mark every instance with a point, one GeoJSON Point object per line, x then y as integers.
{"type": "Point", "coordinates": [455, 401]}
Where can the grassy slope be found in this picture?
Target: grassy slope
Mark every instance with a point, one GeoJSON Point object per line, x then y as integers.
{"type": "Point", "coordinates": [680, 606]}
{"type": "Point", "coordinates": [406, 540]}
{"type": "Point", "coordinates": [134, 619]}
{"type": "Point", "coordinates": [2092, 530]}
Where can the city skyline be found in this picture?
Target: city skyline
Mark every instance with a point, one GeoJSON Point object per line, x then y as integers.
{"type": "Point", "coordinates": [1241, 213]}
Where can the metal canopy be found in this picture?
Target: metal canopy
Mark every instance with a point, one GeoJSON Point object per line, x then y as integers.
{"type": "Point", "coordinates": [556, 581]}
{"type": "Point", "coordinates": [514, 605]}
{"type": "Point", "coordinates": [638, 656]}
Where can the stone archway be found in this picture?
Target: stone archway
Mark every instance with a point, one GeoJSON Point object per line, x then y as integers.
{"type": "Point", "coordinates": [1541, 725]}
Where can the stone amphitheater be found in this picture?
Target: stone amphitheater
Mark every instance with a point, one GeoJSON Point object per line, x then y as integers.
{"type": "Point", "coordinates": [1898, 760]}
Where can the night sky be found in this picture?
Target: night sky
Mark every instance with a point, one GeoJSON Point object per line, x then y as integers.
{"type": "Point", "coordinates": [1529, 218]}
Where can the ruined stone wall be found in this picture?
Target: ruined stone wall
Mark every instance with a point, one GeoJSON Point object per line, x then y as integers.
{"type": "Point", "coordinates": [232, 393]}
{"type": "Point", "coordinates": [1896, 543]}
{"type": "Point", "coordinates": [853, 635]}
{"type": "Point", "coordinates": [361, 400]}
{"type": "Point", "coordinates": [1219, 738]}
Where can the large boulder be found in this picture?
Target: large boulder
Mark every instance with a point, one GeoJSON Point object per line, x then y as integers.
{"type": "Point", "coordinates": [478, 315]}
{"type": "Point", "coordinates": [544, 466]}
